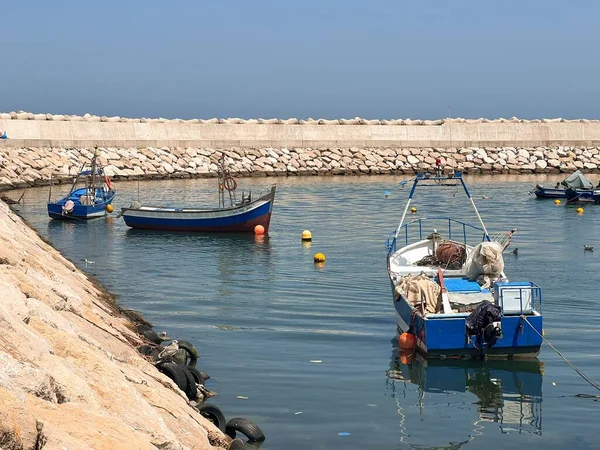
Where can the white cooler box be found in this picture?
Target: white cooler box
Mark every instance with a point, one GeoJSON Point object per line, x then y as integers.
{"type": "Point", "coordinates": [516, 297]}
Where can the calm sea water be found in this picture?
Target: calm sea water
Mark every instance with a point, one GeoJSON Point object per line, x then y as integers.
{"type": "Point", "coordinates": [261, 313]}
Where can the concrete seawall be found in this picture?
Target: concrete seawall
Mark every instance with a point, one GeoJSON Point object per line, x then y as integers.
{"type": "Point", "coordinates": [117, 132]}
{"type": "Point", "coordinates": [42, 146]}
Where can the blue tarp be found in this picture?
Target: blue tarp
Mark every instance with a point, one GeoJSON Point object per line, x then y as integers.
{"type": "Point", "coordinates": [461, 285]}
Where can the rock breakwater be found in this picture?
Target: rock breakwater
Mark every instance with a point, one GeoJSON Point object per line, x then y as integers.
{"type": "Point", "coordinates": [27, 166]}
{"type": "Point", "coordinates": [70, 375]}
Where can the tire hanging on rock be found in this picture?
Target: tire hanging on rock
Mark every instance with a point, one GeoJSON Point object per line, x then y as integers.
{"type": "Point", "coordinates": [149, 333]}
{"type": "Point", "coordinates": [175, 373]}
{"type": "Point", "coordinates": [199, 376]}
{"type": "Point", "coordinates": [246, 427]}
{"type": "Point", "coordinates": [214, 414]}
{"type": "Point", "coordinates": [192, 353]}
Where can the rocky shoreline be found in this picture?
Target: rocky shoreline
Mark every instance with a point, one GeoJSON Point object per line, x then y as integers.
{"type": "Point", "coordinates": [70, 374]}
{"type": "Point", "coordinates": [27, 167]}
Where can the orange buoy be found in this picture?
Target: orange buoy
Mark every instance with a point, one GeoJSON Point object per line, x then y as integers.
{"type": "Point", "coordinates": [407, 341]}
{"type": "Point", "coordinates": [259, 229]}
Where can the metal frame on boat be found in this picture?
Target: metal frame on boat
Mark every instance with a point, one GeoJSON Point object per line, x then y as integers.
{"type": "Point", "coordinates": [442, 326]}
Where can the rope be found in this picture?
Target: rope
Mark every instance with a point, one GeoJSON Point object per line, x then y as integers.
{"type": "Point", "coordinates": [573, 366]}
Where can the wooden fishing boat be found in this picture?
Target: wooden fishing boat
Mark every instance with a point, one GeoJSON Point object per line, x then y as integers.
{"type": "Point", "coordinates": [234, 214]}
{"type": "Point", "coordinates": [451, 292]}
{"type": "Point", "coordinates": [90, 196]}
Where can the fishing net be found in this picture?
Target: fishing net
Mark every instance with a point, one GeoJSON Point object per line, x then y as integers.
{"type": "Point", "coordinates": [452, 255]}
{"type": "Point", "coordinates": [448, 255]}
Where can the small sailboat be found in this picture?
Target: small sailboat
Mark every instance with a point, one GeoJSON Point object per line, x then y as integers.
{"type": "Point", "coordinates": [90, 196]}
{"type": "Point", "coordinates": [234, 214]}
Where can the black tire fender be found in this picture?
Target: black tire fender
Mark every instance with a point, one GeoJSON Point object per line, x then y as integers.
{"type": "Point", "coordinates": [175, 373]}
{"type": "Point", "coordinates": [246, 427]}
{"type": "Point", "coordinates": [199, 376]}
{"type": "Point", "coordinates": [238, 444]}
{"type": "Point", "coordinates": [149, 333]}
{"type": "Point", "coordinates": [191, 351]}
{"type": "Point", "coordinates": [191, 389]}
{"type": "Point", "coordinates": [214, 414]}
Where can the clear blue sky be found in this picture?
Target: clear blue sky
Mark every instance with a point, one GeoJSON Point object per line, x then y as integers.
{"type": "Point", "coordinates": [326, 58]}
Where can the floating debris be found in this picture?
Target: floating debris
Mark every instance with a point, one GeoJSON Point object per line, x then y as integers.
{"type": "Point", "coordinates": [316, 361]}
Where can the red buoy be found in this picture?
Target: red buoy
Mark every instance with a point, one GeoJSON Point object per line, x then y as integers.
{"type": "Point", "coordinates": [407, 341]}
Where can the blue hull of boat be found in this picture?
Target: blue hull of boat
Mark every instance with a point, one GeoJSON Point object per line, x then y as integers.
{"type": "Point", "coordinates": [235, 223]}
{"type": "Point", "coordinates": [562, 193]}
{"type": "Point", "coordinates": [242, 218]}
{"type": "Point", "coordinates": [580, 195]}
{"type": "Point", "coordinates": [80, 212]}
{"type": "Point", "coordinates": [541, 192]}
{"type": "Point", "coordinates": [447, 336]}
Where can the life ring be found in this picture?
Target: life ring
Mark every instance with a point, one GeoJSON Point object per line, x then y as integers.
{"type": "Point", "coordinates": [229, 183]}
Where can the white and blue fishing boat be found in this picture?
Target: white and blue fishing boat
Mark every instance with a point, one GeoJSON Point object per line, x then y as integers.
{"type": "Point", "coordinates": [449, 287]}
{"type": "Point", "coordinates": [90, 196]}
{"type": "Point", "coordinates": [235, 214]}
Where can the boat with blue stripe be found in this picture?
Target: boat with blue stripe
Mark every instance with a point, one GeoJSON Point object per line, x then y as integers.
{"type": "Point", "coordinates": [235, 214]}
{"type": "Point", "coordinates": [449, 287]}
{"type": "Point", "coordinates": [243, 217]}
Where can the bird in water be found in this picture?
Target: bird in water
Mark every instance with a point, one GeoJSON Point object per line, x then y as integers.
{"type": "Point", "coordinates": [588, 248]}
{"type": "Point", "coordinates": [516, 251]}
{"type": "Point", "coordinates": [485, 197]}
{"type": "Point", "coordinates": [169, 351]}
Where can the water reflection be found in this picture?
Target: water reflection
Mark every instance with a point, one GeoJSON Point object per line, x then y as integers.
{"type": "Point", "coordinates": [508, 398]}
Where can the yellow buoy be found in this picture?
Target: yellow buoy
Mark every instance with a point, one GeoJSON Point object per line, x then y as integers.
{"type": "Point", "coordinates": [319, 257]}
{"type": "Point", "coordinates": [557, 202]}
{"type": "Point", "coordinates": [413, 210]}
{"type": "Point", "coordinates": [306, 235]}
{"type": "Point", "coordinates": [259, 230]}
{"type": "Point", "coordinates": [580, 210]}
{"type": "Point", "coordinates": [109, 208]}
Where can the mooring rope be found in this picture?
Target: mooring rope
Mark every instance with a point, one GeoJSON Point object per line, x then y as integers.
{"type": "Point", "coordinates": [573, 366]}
